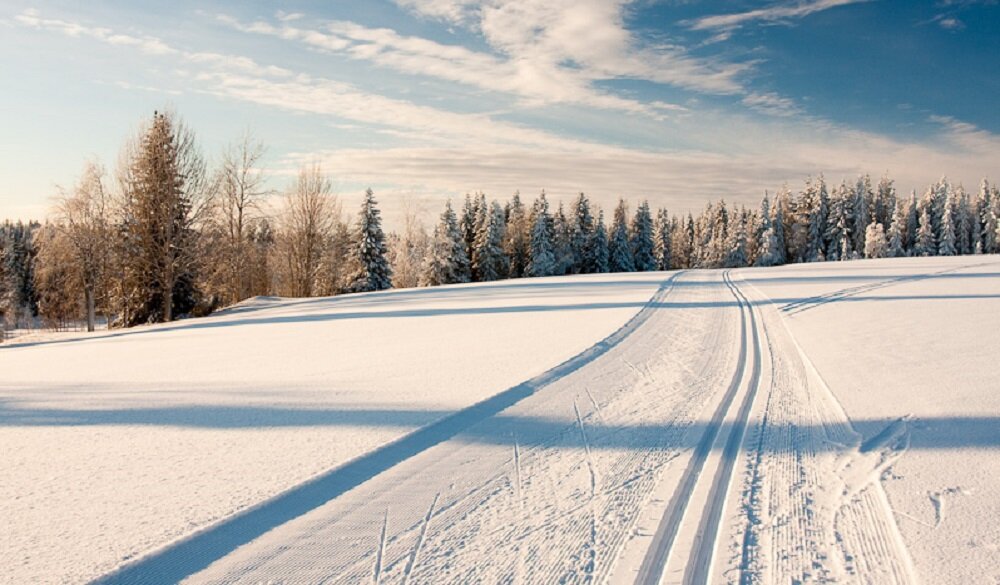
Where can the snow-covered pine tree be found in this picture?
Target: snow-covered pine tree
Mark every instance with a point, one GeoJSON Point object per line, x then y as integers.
{"type": "Point", "coordinates": [582, 236]}
{"type": "Point", "coordinates": [468, 226]}
{"type": "Point", "coordinates": [517, 243]}
{"type": "Point", "coordinates": [600, 246]}
{"type": "Point", "coordinates": [894, 245]}
{"type": "Point", "coordinates": [492, 263]}
{"type": "Point", "coordinates": [838, 231]}
{"type": "Point", "coordinates": [543, 260]}
{"type": "Point", "coordinates": [875, 246]}
{"type": "Point", "coordinates": [446, 262]}
{"type": "Point", "coordinates": [884, 205]}
{"type": "Point", "coordinates": [778, 227]}
{"type": "Point", "coordinates": [619, 252]}
{"type": "Point", "coordinates": [811, 224]}
{"type": "Point", "coordinates": [754, 232]}
{"type": "Point", "coordinates": [987, 219]}
{"type": "Point", "coordinates": [863, 197]}
{"type": "Point", "coordinates": [736, 255]}
{"type": "Point", "coordinates": [946, 237]}
{"type": "Point", "coordinates": [663, 239]}
{"type": "Point", "coordinates": [965, 222]}
{"type": "Point", "coordinates": [562, 242]}
{"type": "Point", "coordinates": [374, 272]}
{"type": "Point", "coordinates": [643, 251]}
{"type": "Point", "coordinates": [925, 244]}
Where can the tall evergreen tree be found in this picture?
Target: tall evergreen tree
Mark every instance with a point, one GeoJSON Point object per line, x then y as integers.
{"type": "Point", "coordinates": [736, 254]}
{"type": "Point", "coordinates": [446, 262]}
{"type": "Point", "coordinates": [925, 244]}
{"type": "Point", "coordinates": [875, 245]}
{"type": "Point", "coordinates": [662, 240]}
{"type": "Point", "coordinates": [543, 260]}
{"type": "Point", "coordinates": [165, 180]}
{"type": "Point", "coordinates": [601, 258]}
{"type": "Point", "coordinates": [583, 236]}
{"type": "Point", "coordinates": [491, 262]}
{"type": "Point", "coordinates": [946, 237]}
{"type": "Point", "coordinates": [619, 252]}
{"type": "Point", "coordinates": [517, 241]}
{"type": "Point", "coordinates": [374, 272]}
{"type": "Point", "coordinates": [894, 247]}
{"type": "Point", "coordinates": [643, 248]}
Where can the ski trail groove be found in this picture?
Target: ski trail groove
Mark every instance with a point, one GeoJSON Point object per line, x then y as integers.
{"type": "Point", "coordinates": [700, 564]}
{"type": "Point", "coordinates": [654, 562]}
{"type": "Point", "coordinates": [180, 559]}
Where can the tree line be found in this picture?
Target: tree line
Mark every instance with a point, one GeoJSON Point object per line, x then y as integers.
{"type": "Point", "coordinates": [167, 236]}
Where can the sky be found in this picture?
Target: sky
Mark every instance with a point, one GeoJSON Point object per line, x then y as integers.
{"type": "Point", "coordinates": [675, 101]}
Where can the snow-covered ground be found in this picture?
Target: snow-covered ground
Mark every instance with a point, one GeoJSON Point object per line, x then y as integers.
{"type": "Point", "coordinates": [834, 422]}
{"type": "Point", "coordinates": [119, 444]}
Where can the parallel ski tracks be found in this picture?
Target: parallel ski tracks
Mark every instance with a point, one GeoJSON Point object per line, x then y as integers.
{"type": "Point", "coordinates": [699, 565]}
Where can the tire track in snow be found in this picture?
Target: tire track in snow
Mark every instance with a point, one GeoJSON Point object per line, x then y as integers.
{"type": "Point", "coordinates": [699, 566]}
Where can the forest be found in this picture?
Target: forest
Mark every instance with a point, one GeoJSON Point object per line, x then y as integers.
{"type": "Point", "coordinates": [167, 236]}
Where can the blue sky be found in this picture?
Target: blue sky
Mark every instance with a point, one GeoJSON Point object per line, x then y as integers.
{"type": "Point", "coordinates": [678, 101]}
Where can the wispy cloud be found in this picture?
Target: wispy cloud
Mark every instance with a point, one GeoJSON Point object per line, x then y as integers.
{"type": "Point", "coordinates": [771, 103]}
{"type": "Point", "coordinates": [782, 12]}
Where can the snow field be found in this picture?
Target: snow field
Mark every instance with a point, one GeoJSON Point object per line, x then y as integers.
{"type": "Point", "coordinates": [121, 443]}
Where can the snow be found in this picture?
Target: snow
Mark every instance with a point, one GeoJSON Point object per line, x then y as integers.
{"type": "Point", "coordinates": [831, 422]}
{"type": "Point", "coordinates": [916, 338]}
{"type": "Point", "coordinates": [118, 444]}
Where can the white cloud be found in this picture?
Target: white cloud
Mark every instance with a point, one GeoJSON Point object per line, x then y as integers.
{"type": "Point", "coordinates": [771, 103]}
{"type": "Point", "coordinates": [779, 12]}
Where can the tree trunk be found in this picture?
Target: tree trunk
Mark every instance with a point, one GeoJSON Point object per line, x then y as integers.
{"type": "Point", "coordinates": [88, 293]}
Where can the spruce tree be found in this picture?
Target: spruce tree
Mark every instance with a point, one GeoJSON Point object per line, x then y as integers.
{"type": "Point", "coordinates": [875, 245]}
{"type": "Point", "coordinates": [601, 254]}
{"type": "Point", "coordinates": [894, 246]}
{"type": "Point", "coordinates": [925, 244]}
{"type": "Point", "coordinates": [543, 260]}
{"type": "Point", "coordinates": [374, 272]}
{"type": "Point", "coordinates": [736, 255]}
{"type": "Point", "coordinates": [946, 237]}
{"type": "Point", "coordinates": [491, 262]}
{"type": "Point", "coordinates": [619, 252]}
{"type": "Point", "coordinates": [663, 240]}
{"type": "Point", "coordinates": [583, 236]}
{"type": "Point", "coordinates": [517, 241]}
{"type": "Point", "coordinates": [642, 245]}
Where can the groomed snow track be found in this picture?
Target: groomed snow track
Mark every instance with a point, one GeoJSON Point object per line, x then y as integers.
{"type": "Point", "coordinates": [647, 458]}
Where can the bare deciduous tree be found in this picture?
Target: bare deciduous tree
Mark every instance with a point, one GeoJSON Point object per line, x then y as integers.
{"type": "Point", "coordinates": [307, 223]}
{"type": "Point", "coordinates": [82, 217]}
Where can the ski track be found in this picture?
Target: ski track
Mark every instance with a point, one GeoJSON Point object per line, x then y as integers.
{"type": "Point", "coordinates": [549, 489]}
{"type": "Point", "coordinates": [568, 515]}
{"type": "Point", "coordinates": [811, 508]}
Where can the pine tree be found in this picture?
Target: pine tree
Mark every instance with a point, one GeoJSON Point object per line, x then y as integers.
{"type": "Point", "coordinates": [839, 236]}
{"type": "Point", "coordinates": [164, 181]}
{"type": "Point", "coordinates": [925, 244]}
{"type": "Point", "coordinates": [946, 239]}
{"type": "Point", "coordinates": [875, 246]}
{"type": "Point", "coordinates": [663, 240]}
{"type": "Point", "coordinates": [562, 242]}
{"type": "Point", "coordinates": [583, 235]}
{"type": "Point", "coordinates": [643, 251]}
{"type": "Point", "coordinates": [736, 255]}
{"type": "Point", "coordinates": [895, 247]}
{"type": "Point", "coordinates": [619, 252]}
{"type": "Point", "coordinates": [374, 272]}
{"type": "Point", "coordinates": [517, 243]}
{"type": "Point", "coordinates": [987, 235]}
{"type": "Point", "coordinates": [811, 223]}
{"type": "Point", "coordinates": [861, 208]}
{"type": "Point", "coordinates": [491, 262]}
{"type": "Point", "coordinates": [778, 227]}
{"type": "Point", "coordinates": [543, 260]}
{"type": "Point", "coordinates": [912, 224]}
{"type": "Point", "coordinates": [467, 223]}
{"type": "Point", "coordinates": [446, 262]}
{"type": "Point", "coordinates": [601, 262]}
